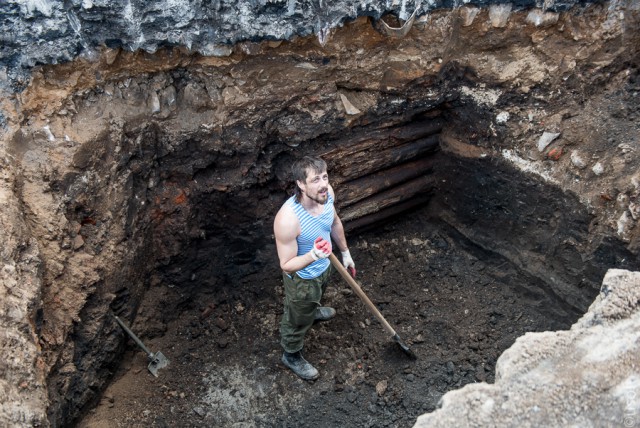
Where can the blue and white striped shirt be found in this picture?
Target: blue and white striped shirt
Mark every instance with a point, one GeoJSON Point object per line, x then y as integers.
{"type": "Point", "coordinates": [310, 228]}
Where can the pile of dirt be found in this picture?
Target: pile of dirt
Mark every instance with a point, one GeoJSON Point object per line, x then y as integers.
{"type": "Point", "coordinates": [457, 307]}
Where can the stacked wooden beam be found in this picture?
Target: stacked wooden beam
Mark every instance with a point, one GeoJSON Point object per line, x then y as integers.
{"type": "Point", "coordinates": [385, 172]}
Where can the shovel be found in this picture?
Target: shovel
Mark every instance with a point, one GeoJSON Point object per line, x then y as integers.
{"type": "Point", "coordinates": [356, 288]}
{"type": "Point", "coordinates": [157, 360]}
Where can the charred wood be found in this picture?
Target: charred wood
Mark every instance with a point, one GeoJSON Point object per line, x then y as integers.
{"type": "Point", "coordinates": [416, 130]}
{"type": "Point", "coordinates": [372, 159]}
{"type": "Point", "coordinates": [388, 198]}
{"type": "Point", "coordinates": [388, 136]}
{"type": "Point", "coordinates": [361, 188]}
{"type": "Point", "coordinates": [386, 214]}
{"type": "Point", "coordinates": [379, 140]}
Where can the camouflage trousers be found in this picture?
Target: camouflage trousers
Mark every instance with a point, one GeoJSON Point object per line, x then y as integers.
{"type": "Point", "coordinates": [301, 298]}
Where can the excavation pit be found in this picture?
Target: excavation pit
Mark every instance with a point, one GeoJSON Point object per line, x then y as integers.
{"type": "Point", "coordinates": [451, 275]}
{"type": "Point", "coordinates": [485, 165]}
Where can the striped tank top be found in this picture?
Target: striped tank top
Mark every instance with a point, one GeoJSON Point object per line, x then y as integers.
{"type": "Point", "coordinates": [310, 228]}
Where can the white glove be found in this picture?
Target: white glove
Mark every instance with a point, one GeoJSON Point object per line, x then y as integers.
{"type": "Point", "coordinates": [321, 249]}
{"type": "Point", "coordinates": [348, 263]}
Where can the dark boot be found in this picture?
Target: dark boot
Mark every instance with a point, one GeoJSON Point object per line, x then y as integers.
{"type": "Point", "coordinates": [296, 362]}
{"type": "Point", "coordinates": [324, 313]}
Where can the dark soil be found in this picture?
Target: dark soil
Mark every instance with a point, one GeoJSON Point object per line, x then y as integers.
{"type": "Point", "coordinates": [456, 305]}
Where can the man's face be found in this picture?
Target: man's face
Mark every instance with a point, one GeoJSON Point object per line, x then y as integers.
{"type": "Point", "coordinates": [316, 186]}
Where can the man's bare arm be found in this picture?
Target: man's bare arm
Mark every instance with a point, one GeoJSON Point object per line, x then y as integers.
{"type": "Point", "coordinates": [286, 230]}
{"type": "Point", "coordinates": [337, 233]}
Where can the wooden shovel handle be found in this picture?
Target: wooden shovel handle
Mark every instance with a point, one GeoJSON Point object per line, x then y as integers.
{"type": "Point", "coordinates": [356, 288]}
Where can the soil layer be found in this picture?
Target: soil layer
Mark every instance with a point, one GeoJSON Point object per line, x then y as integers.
{"type": "Point", "coordinates": [456, 306]}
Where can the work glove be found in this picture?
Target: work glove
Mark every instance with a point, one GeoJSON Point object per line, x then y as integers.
{"type": "Point", "coordinates": [348, 263]}
{"type": "Point", "coordinates": [321, 249]}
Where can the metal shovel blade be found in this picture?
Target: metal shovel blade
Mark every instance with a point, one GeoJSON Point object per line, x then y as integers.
{"type": "Point", "coordinates": [158, 361]}
{"type": "Point", "coordinates": [405, 348]}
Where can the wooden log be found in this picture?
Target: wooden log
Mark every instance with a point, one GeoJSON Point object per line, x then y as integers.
{"type": "Point", "coordinates": [386, 214]}
{"type": "Point", "coordinates": [384, 138]}
{"type": "Point", "coordinates": [388, 198]}
{"type": "Point", "coordinates": [369, 161]}
{"type": "Point", "coordinates": [363, 187]}
{"type": "Point", "coordinates": [417, 130]}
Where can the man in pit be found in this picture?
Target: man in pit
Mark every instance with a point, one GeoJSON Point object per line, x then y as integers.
{"type": "Point", "coordinates": [303, 229]}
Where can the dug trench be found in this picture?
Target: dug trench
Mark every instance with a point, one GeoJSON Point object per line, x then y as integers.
{"type": "Point", "coordinates": [477, 256]}
{"type": "Point", "coordinates": [146, 185]}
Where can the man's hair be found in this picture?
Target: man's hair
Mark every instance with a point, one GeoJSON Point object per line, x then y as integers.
{"type": "Point", "coordinates": [299, 171]}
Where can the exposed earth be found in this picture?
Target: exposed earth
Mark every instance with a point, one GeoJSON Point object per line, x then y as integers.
{"type": "Point", "coordinates": [145, 183]}
{"type": "Point", "coordinates": [456, 306]}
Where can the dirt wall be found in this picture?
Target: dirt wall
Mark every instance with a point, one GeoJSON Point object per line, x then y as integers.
{"type": "Point", "coordinates": [133, 162]}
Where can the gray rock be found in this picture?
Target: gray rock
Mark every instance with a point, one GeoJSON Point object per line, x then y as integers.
{"type": "Point", "coordinates": [586, 376]}
{"type": "Point", "coordinates": [577, 160]}
{"type": "Point", "coordinates": [546, 139]}
{"type": "Point", "coordinates": [598, 168]}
